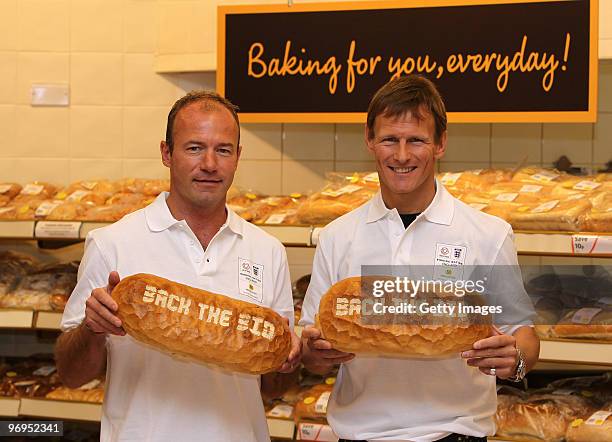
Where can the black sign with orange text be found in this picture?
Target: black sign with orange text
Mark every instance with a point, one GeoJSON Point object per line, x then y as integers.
{"type": "Point", "coordinates": [500, 61]}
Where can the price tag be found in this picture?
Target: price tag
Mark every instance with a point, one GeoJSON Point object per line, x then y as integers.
{"type": "Point", "coordinates": [90, 385]}
{"type": "Point", "coordinates": [45, 208]}
{"type": "Point", "coordinates": [317, 432]}
{"type": "Point", "coordinates": [585, 315]}
{"type": "Point", "coordinates": [544, 176]}
{"type": "Point", "coordinates": [530, 188]}
{"type": "Point", "coordinates": [450, 179]}
{"type": "Point", "coordinates": [277, 218]}
{"type": "Point", "coordinates": [346, 189]}
{"type": "Point", "coordinates": [32, 189]}
{"type": "Point", "coordinates": [77, 195]}
{"type": "Point", "coordinates": [586, 185]}
{"type": "Point", "coordinates": [545, 207]}
{"type": "Point", "coordinates": [599, 417]}
{"type": "Point", "coordinates": [281, 410]}
{"type": "Point", "coordinates": [5, 188]}
{"type": "Point", "coordinates": [57, 229]}
{"type": "Point", "coordinates": [44, 371]}
{"type": "Point", "coordinates": [321, 405]}
{"type": "Point", "coordinates": [584, 244]}
{"type": "Point", "coordinates": [506, 197]}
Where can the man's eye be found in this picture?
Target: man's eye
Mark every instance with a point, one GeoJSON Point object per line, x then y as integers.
{"type": "Point", "coordinates": [417, 141]}
{"type": "Point", "coordinates": [194, 148]}
{"type": "Point", "coordinates": [388, 140]}
{"type": "Point", "coordinates": [224, 151]}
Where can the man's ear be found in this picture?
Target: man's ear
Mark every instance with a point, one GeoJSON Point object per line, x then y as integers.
{"type": "Point", "coordinates": [440, 148]}
{"type": "Point", "coordinates": [369, 141]}
{"type": "Point", "coordinates": [166, 155]}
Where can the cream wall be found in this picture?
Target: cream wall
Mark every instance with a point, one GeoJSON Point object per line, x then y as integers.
{"type": "Point", "coordinates": [104, 49]}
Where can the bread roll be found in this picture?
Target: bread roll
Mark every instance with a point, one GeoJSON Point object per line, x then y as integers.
{"type": "Point", "coordinates": [346, 330]}
{"type": "Point", "coordinates": [198, 325]}
{"type": "Point", "coordinates": [597, 428]}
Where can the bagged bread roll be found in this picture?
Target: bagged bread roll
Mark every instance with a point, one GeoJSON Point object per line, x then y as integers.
{"type": "Point", "coordinates": [313, 405]}
{"type": "Point", "coordinates": [474, 180]}
{"type": "Point", "coordinates": [596, 428]}
{"type": "Point", "coordinates": [37, 191]}
{"type": "Point", "coordinates": [201, 326]}
{"type": "Point", "coordinates": [540, 417]}
{"type": "Point", "coordinates": [91, 392]}
{"type": "Point", "coordinates": [599, 219]}
{"type": "Point", "coordinates": [149, 187]}
{"type": "Point", "coordinates": [552, 215]}
{"type": "Point", "coordinates": [589, 322]}
{"type": "Point", "coordinates": [341, 322]}
{"type": "Point", "coordinates": [8, 191]}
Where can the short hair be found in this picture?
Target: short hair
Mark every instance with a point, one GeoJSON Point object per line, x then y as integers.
{"type": "Point", "coordinates": [412, 93]}
{"type": "Point", "coordinates": [210, 101]}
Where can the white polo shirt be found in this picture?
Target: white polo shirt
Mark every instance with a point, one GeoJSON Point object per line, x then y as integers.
{"type": "Point", "coordinates": [149, 395]}
{"type": "Point", "coordinates": [379, 398]}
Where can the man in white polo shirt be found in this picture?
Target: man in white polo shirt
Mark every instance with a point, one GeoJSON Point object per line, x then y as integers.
{"type": "Point", "coordinates": [410, 222]}
{"type": "Point", "coordinates": [187, 235]}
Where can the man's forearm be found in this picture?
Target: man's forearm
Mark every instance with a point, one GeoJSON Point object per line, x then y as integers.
{"type": "Point", "coordinates": [529, 343]}
{"type": "Point", "coordinates": [274, 385]}
{"type": "Point", "coordinates": [80, 356]}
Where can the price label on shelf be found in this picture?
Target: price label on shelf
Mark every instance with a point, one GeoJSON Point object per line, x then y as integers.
{"type": "Point", "coordinates": [320, 432]}
{"type": "Point", "coordinates": [591, 244]}
{"type": "Point", "coordinates": [57, 229]}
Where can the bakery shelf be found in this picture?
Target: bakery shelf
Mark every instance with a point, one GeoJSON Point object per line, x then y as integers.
{"type": "Point", "coordinates": [573, 352]}
{"type": "Point", "coordinates": [87, 227]}
{"type": "Point", "coordinates": [16, 318]}
{"type": "Point", "coordinates": [281, 428]}
{"type": "Point", "coordinates": [48, 320]}
{"type": "Point", "coordinates": [17, 229]}
{"type": "Point", "coordinates": [60, 409]}
{"type": "Point", "coordinates": [9, 407]}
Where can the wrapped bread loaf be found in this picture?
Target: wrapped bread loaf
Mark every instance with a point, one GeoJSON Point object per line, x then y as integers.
{"type": "Point", "coordinates": [313, 405]}
{"type": "Point", "coordinates": [341, 322]}
{"type": "Point", "coordinates": [589, 322]}
{"type": "Point", "coordinates": [540, 417]}
{"type": "Point", "coordinates": [198, 325]}
{"type": "Point", "coordinates": [474, 180]}
{"type": "Point", "coordinates": [552, 215]}
{"type": "Point", "coordinates": [596, 428]}
{"type": "Point", "coordinates": [37, 191]}
{"type": "Point", "coordinates": [91, 392]}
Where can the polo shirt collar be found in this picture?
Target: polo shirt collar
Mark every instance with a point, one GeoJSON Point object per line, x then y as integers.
{"type": "Point", "coordinates": [439, 211]}
{"type": "Point", "coordinates": [160, 218]}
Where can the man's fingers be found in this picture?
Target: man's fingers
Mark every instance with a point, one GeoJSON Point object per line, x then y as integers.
{"type": "Point", "coordinates": [341, 360]}
{"type": "Point", "coordinates": [113, 280]}
{"type": "Point", "coordinates": [98, 325]}
{"type": "Point", "coordinates": [496, 363]}
{"type": "Point", "coordinates": [102, 311]}
{"type": "Point", "coordinates": [103, 298]}
{"type": "Point", "coordinates": [310, 332]}
{"type": "Point", "coordinates": [507, 351]}
{"type": "Point", "coordinates": [494, 342]}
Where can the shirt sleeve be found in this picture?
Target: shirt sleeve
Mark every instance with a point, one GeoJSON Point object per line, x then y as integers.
{"type": "Point", "coordinates": [320, 281]}
{"type": "Point", "coordinates": [93, 273]}
{"type": "Point", "coordinates": [508, 291]}
{"type": "Point", "coordinates": [283, 296]}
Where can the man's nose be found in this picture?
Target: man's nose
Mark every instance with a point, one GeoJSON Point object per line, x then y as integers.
{"type": "Point", "coordinates": [402, 153]}
{"type": "Point", "coordinates": [209, 161]}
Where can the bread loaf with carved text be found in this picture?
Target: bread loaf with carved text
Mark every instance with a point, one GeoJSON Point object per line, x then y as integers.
{"type": "Point", "coordinates": [201, 326]}
{"type": "Point", "coordinates": [342, 324]}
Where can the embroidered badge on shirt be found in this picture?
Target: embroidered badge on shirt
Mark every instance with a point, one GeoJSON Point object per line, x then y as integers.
{"type": "Point", "coordinates": [250, 279]}
{"type": "Point", "coordinates": [449, 261]}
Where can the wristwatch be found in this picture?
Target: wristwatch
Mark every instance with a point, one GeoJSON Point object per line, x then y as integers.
{"type": "Point", "coordinates": [521, 367]}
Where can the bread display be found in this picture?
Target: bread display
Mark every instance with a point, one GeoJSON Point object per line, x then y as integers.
{"type": "Point", "coordinates": [596, 428]}
{"type": "Point", "coordinates": [37, 191]}
{"type": "Point", "coordinates": [343, 193]}
{"type": "Point", "coordinates": [341, 322]}
{"type": "Point", "coordinates": [274, 210]}
{"type": "Point", "coordinates": [201, 326]}
{"type": "Point", "coordinates": [148, 187]}
{"type": "Point", "coordinates": [13, 266]}
{"type": "Point", "coordinates": [28, 379]}
{"type": "Point", "coordinates": [552, 215]}
{"type": "Point", "coordinates": [46, 289]}
{"type": "Point", "coordinates": [474, 180]}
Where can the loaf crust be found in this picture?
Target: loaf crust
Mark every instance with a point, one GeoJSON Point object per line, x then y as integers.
{"type": "Point", "coordinates": [233, 334]}
{"type": "Point", "coordinates": [348, 333]}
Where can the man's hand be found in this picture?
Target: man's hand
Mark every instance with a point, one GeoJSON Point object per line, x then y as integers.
{"type": "Point", "coordinates": [295, 355]}
{"type": "Point", "coordinates": [319, 355]}
{"type": "Point", "coordinates": [100, 309]}
{"type": "Point", "coordinates": [498, 352]}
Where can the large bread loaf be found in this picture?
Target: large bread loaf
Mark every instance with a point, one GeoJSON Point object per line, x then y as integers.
{"type": "Point", "coordinates": [342, 324]}
{"type": "Point", "coordinates": [198, 325]}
